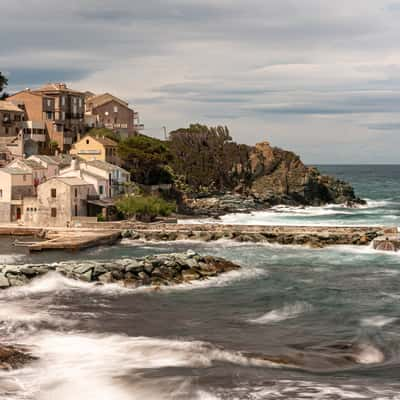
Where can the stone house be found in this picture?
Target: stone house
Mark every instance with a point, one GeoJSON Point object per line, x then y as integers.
{"type": "Point", "coordinates": [59, 201]}
{"type": "Point", "coordinates": [100, 184]}
{"type": "Point", "coordinates": [53, 164]}
{"type": "Point", "coordinates": [108, 111]}
{"type": "Point", "coordinates": [117, 178]}
{"type": "Point", "coordinates": [15, 185]}
{"type": "Point", "coordinates": [91, 148]}
{"type": "Point", "coordinates": [39, 172]}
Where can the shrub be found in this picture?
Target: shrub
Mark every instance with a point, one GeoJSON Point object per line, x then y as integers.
{"type": "Point", "coordinates": [145, 208]}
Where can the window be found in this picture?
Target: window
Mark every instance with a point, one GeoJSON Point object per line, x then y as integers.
{"type": "Point", "coordinates": [76, 210]}
{"type": "Point", "coordinates": [76, 192]}
{"type": "Point", "coordinates": [63, 115]}
{"type": "Point", "coordinates": [63, 101]}
{"type": "Point", "coordinates": [1, 193]}
{"type": "Point", "coordinates": [80, 101]}
{"type": "Point", "coordinates": [53, 193]}
{"type": "Point", "coordinates": [115, 109]}
{"type": "Point", "coordinates": [6, 131]}
{"type": "Point", "coordinates": [24, 178]}
{"type": "Point", "coordinates": [101, 189]}
{"type": "Point", "coordinates": [48, 103]}
{"type": "Point", "coordinates": [54, 212]}
{"type": "Point", "coordinates": [87, 141]}
{"type": "Point", "coordinates": [49, 115]}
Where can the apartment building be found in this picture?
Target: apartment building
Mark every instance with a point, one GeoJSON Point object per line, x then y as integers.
{"type": "Point", "coordinates": [53, 110]}
{"type": "Point", "coordinates": [111, 112]}
{"type": "Point", "coordinates": [11, 130]}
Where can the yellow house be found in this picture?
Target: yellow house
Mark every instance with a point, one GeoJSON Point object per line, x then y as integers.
{"type": "Point", "coordinates": [91, 148]}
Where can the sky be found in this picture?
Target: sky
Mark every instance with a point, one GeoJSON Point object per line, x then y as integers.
{"type": "Point", "coordinates": [319, 77]}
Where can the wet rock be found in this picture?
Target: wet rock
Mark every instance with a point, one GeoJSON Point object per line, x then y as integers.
{"type": "Point", "coordinates": [12, 357]}
{"type": "Point", "coordinates": [4, 282]}
{"type": "Point", "coordinates": [190, 275]}
{"type": "Point", "coordinates": [106, 278]}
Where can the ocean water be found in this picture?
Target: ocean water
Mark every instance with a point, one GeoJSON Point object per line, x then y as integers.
{"type": "Point", "coordinates": [293, 323]}
{"type": "Point", "coordinates": [378, 184]}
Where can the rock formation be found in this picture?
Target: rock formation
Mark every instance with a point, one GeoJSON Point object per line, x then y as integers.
{"type": "Point", "coordinates": [159, 270]}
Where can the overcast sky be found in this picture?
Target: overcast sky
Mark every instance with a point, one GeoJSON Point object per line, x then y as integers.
{"type": "Point", "coordinates": [319, 77]}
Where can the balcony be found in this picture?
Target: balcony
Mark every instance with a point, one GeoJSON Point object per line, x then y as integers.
{"type": "Point", "coordinates": [138, 127]}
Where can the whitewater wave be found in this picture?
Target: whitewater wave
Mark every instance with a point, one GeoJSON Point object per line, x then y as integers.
{"type": "Point", "coordinates": [282, 314]}
{"type": "Point", "coordinates": [93, 366]}
{"type": "Point", "coordinates": [377, 321]}
{"type": "Point", "coordinates": [11, 258]}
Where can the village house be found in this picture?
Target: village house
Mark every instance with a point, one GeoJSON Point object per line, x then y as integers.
{"type": "Point", "coordinates": [53, 110]}
{"type": "Point", "coordinates": [108, 111]}
{"type": "Point", "coordinates": [15, 185]}
{"type": "Point", "coordinates": [59, 201]}
{"type": "Point", "coordinates": [53, 164]}
{"type": "Point", "coordinates": [11, 132]}
{"type": "Point", "coordinates": [100, 184]}
{"type": "Point", "coordinates": [39, 172]}
{"type": "Point", "coordinates": [91, 148]}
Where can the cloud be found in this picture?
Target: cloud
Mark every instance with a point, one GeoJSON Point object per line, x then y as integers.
{"type": "Point", "coordinates": [306, 74]}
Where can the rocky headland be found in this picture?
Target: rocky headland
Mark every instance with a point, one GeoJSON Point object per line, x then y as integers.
{"type": "Point", "coordinates": [156, 271]}
{"type": "Point", "coordinates": [268, 176]}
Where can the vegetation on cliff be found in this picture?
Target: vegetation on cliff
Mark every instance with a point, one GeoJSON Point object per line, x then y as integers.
{"type": "Point", "coordinates": [3, 84]}
{"type": "Point", "coordinates": [144, 208]}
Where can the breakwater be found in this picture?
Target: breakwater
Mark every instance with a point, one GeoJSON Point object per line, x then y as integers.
{"type": "Point", "coordinates": [157, 270]}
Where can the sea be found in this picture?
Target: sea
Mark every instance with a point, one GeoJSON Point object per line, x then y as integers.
{"type": "Point", "coordinates": [293, 323]}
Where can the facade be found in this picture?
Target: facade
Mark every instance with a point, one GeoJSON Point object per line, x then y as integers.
{"type": "Point", "coordinates": [59, 200]}
{"type": "Point", "coordinates": [116, 177]}
{"type": "Point", "coordinates": [39, 172]}
{"type": "Point", "coordinates": [38, 118]}
{"type": "Point", "coordinates": [53, 110]}
{"type": "Point", "coordinates": [15, 185]}
{"type": "Point", "coordinates": [91, 148]}
{"type": "Point", "coordinates": [11, 132]}
{"type": "Point", "coordinates": [108, 111]}
{"type": "Point", "coordinates": [100, 184]}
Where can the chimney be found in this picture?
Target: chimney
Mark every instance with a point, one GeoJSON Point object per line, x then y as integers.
{"type": "Point", "coordinates": [75, 163]}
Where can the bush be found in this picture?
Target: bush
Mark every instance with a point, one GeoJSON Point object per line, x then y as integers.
{"type": "Point", "coordinates": [145, 208]}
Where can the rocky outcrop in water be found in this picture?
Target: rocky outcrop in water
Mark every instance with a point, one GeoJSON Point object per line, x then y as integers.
{"type": "Point", "coordinates": [158, 270]}
{"type": "Point", "coordinates": [12, 357]}
{"type": "Point", "coordinates": [272, 176]}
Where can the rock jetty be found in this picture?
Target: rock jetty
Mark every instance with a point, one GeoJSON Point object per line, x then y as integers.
{"type": "Point", "coordinates": [156, 270]}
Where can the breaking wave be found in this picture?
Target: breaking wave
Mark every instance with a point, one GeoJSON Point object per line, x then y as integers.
{"type": "Point", "coordinates": [282, 314]}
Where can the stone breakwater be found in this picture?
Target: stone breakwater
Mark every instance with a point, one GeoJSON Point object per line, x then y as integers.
{"type": "Point", "coordinates": [285, 235]}
{"type": "Point", "coordinates": [156, 271]}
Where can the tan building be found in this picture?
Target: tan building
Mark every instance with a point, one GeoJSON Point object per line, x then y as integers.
{"type": "Point", "coordinates": [59, 201]}
{"type": "Point", "coordinates": [54, 109]}
{"type": "Point", "coordinates": [39, 172]}
{"type": "Point", "coordinates": [11, 132]}
{"type": "Point", "coordinates": [108, 111]}
{"type": "Point", "coordinates": [15, 185]}
{"type": "Point", "coordinates": [91, 148]}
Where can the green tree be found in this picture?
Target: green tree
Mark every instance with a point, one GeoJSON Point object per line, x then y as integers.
{"type": "Point", "coordinates": [146, 158]}
{"type": "Point", "coordinates": [144, 208]}
{"type": "Point", "coordinates": [207, 157]}
{"type": "Point", "coordinates": [3, 84]}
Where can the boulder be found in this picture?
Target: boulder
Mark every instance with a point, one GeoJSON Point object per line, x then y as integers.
{"type": "Point", "coordinates": [190, 275]}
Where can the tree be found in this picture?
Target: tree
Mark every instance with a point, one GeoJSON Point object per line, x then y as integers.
{"type": "Point", "coordinates": [144, 208]}
{"type": "Point", "coordinates": [146, 159]}
{"type": "Point", "coordinates": [3, 84]}
{"type": "Point", "coordinates": [207, 157]}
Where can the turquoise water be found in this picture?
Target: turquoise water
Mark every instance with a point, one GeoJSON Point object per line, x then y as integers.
{"type": "Point", "coordinates": [293, 323]}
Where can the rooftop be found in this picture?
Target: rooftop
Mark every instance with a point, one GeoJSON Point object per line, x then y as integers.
{"type": "Point", "coordinates": [99, 100]}
{"type": "Point", "coordinates": [8, 106]}
{"type": "Point", "coordinates": [56, 87]}
{"type": "Point", "coordinates": [46, 159]}
{"type": "Point", "coordinates": [103, 140]}
{"type": "Point", "coordinates": [14, 171]}
{"type": "Point", "coordinates": [104, 165]}
{"type": "Point", "coordinates": [70, 181]}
